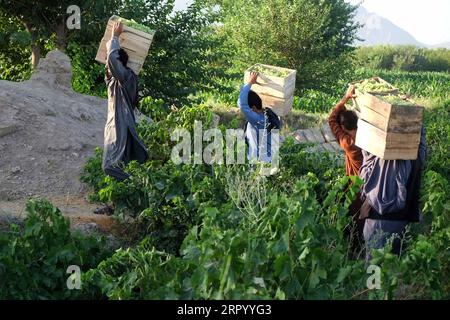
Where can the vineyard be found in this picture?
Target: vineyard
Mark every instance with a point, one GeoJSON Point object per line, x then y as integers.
{"type": "Point", "coordinates": [225, 231]}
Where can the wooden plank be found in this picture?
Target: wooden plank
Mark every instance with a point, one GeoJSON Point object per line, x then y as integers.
{"type": "Point", "coordinates": [372, 102]}
{"type": "Point", "coordinates": [318, 135]}
{"type": "Point", "coordinates": [401, 145]}
{"type": "Point", "coordinates": [336, 146]}
{"type": "Point", "coordinates": [386, 116]}
{"type": "Point", "coordinates": [373, 117]}
{"type": "Point", "coordinates": [366, 128]}
{"type": "Point", "coordinates": [272, 89]}
{"type": "Point", "coordinates": [386, 144]}
{"type": "Point", "coordinates": [328, 147]}
{"type": "Point", "coordinates": [320, 148]}
{"type": "Point", "coordinates": [286, 110]}
{"type": "Point", "coordinates": [127, 28]}
{"type": "Point", "coordinates": [310, 137]}
{"type": "Point", "coordinates": [327, 133]}
{"type": "Point", "coordinates": [129, 32]}
{"type": "Point", "coordinates": [401, 114]}
{"type": "Point", "coordinates": [404, 154]}
{"type": "Point", "coordinates": [394, 154]}
{"type": "Point", "coordinates": [395, 123]}
{"type": "Point", "coordinates": [300, 136]}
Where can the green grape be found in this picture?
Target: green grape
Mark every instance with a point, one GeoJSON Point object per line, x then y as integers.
{"type": "Point", "coordinates": [133, 24]}
{"type": "Point", "coordinates": [269, 71]}
{"type": "Point", "coordinates": [396, 100]}
{"type": "Point", "coordinates": [372, 85]}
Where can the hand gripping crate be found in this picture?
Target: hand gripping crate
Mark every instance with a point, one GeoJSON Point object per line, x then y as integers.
{"type": "Point", "coordinates": [276, 87]}
{"type": "Point", "coordinates": [135, 42]}
{"type": "Point", "coordinates": [389, 126]}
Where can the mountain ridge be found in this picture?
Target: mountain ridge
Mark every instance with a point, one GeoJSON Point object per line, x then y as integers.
{"type": "Point", "coordinates": [377, 30]}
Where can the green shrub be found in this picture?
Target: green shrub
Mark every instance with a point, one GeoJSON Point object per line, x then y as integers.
{"type": "Point", "coordinates": [156, 109]}
{"type": "Point", "coordinates": [296, 161]}
{"type": "Point", "coordinates": [295, 248]}
{"type": "Point", "coordinates": [403, 58]}
{"type": "Point", "coordinates": [315, 38]}
{"type": "Point", "coordinates": [424, 269]}
{"type": "Point", "coordinates": [88, 76]}
{"type": "Point", "coordinates": [315, 101]}
{"type": "Point", "coordinates": [33, 261]}
{"type": "Point", "coordinates": [93, 174]}
{"type": "Point", "coordinates": [437, 123]}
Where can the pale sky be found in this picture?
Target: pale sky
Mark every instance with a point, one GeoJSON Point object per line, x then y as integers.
{"type": "Point", "coordinates": [427, 20]}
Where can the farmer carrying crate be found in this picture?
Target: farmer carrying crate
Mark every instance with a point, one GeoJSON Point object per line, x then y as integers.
{"type": "Point", "coordinates": [260, 122]}
{"type": "Point", "coordinates": [122, 143]}
{"type": "Point", "coordinates": [343, 125]}
{"type": "Point", "coordinates": [391, 192]}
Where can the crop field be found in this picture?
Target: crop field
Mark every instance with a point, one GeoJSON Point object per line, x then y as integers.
{"type": "Point", "coordinates": [224, 232]}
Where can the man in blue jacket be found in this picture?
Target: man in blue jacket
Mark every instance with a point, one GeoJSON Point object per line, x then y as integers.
{"type": "Point", "coordinates": [258, 128]}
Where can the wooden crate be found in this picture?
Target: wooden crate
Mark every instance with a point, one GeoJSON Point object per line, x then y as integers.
{"type": "Point", "coordinates": [386, 116]}
{"type": "Point", "coordinates": [280, 106]}
{"type": "Point", "coordinates": [387, 145]}
{"type": "Point", "coordinates": [135, 42]}
{"type": "Point", "coordinates": [279, 87]}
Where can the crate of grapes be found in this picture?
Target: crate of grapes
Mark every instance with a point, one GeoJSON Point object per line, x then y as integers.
{"type": "Point", "coordinates": [276, 87]}
{"type": "Point", "coordinates": [387, 145]}
{"type": "Point", "coordinates": [389, 123]}
{"type": "Point", "coordinates": [376, 85]}
{"type": "Point", "coordinates": [273, 81]}
{"type": "Point", "coordinates": [135, 40]}
{"type": "Point", "coordinates": [392, 113]}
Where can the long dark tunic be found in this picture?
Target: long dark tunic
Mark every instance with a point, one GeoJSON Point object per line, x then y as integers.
{"type": "Point", "coordinates": [122, 143]}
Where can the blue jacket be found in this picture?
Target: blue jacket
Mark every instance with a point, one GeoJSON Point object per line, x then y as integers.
{"type": "Point", "coordinates": [258, 138]}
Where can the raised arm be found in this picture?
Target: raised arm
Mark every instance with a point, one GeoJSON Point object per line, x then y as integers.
{"type": "Point", "coordinates": [341, 135]}
{"type": "Point", "coordinates": [115, 66]}
{"type": "Point", "coordinates": [249, 114]}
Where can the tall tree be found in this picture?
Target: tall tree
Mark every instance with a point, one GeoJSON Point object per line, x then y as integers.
{"type": "Point", "coordinates": [14, 49]}
{"type": "Point", "coordinates": [179, 57]}
{"type": "Point", "coordinates": [44, 19]}
{"type": "Point", "coordinates": [312, 36]}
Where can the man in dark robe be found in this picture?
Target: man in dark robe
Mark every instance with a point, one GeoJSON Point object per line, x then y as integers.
{"type": "Point", "coordinates": [122, 143]}
{"type": "Point", "coordinates": [392, 194]}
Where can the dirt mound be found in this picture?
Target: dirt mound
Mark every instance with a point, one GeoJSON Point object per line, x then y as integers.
{"type": "Point", "coordinates": [47, 131]}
